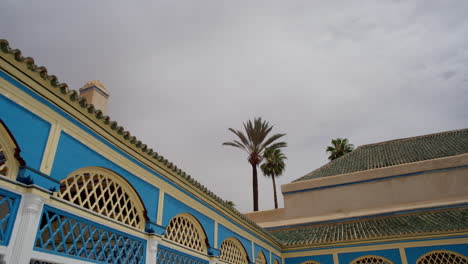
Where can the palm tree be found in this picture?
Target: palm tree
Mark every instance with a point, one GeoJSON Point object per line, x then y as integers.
{"type": "Point", "coordinates": [273, 167]}
{"type": "Point", "coordinates": [339, 147]}
{"type": "Point", "coordinates": [254, 142]}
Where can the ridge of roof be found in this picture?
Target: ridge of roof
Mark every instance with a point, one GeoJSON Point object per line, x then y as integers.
{"type": "Point", "coordinates": [448, 220]}
{"type": "Point", "coordinates": [80, 102]}
{"type": "Point", "coordinates": [415, 137]}
{"type": "Point", "coordinates": [395, 152]}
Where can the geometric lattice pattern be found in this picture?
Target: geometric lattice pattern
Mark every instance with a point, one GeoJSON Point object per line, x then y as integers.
{"type": "Point", "coordinates": [3, 162]}
{"type": "Point", "coordinates": [185, 230]}
{"type": "Point", "coordinates": [260, 258]}
{"type": "Point", "coordinates": [105, 194]}
{"type": "Point", "coordinates": [442, 257]}
{"type": "Point", "coordinates": [8, 207]}
{"type": "Point", "coordinates": [233, 252]}
{"type": "Point", "coordinates": [371, 260]}
{"type": "Point", "coordinates": [171, 256]}
{"type": "Point", "coordinates": [70, 235]}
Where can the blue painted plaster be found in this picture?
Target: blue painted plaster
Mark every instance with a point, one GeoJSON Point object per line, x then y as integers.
{"type": "Point", "coordinates": [412, 254]}
{"type": "Point", "coordinates": [67, 116]}
{"type": "Point", "coordinates": [72, 155]}
{"type": "Point", "coordinates": [390, 254]}
{"type": "Point", "coordinates": [258, 248]}
{"type": "Point", "coordinates": [224, 232]}
{"type": "Point", "coordinates": [273, 257]}
{"type": "Point", "coordinates": [323, 259]}
{"type": "Point", "coordinates": [173, 207]}
{"type": "Point", "coordinates": [30, 131]}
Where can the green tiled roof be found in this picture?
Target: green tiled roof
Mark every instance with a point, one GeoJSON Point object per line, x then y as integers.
{"type": "Point", "coordinates": [394, 226]}
{"type": "Point", "coordinates": [395, 152]}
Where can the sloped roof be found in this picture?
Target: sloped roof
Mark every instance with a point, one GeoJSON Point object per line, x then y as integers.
{"type": "Point", "coordinates": [395, 152]}
{"type": "Point", "coordinates": [383, 227]}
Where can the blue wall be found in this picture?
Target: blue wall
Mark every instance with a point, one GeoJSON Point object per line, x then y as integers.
{"type": "Point", "coordinates": [30, 131]}
{"type": "Point", "coordinates": [391, 254]}
{"type": "Point", "coordinates": [224, 232]}
{"type": "Point", "coordinates": [173, 207]}
{"type": "Point", "coordinates": [412, 254]}
{"type": "Point", "coordinates": [323, 259]}
{"type": "Point", "coordinates": [72, 155]}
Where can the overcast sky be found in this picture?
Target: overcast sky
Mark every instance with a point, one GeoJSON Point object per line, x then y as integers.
{"type": "Point", "coordinates": [181, 72]}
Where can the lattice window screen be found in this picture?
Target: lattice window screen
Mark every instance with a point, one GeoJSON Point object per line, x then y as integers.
{"type": "Point", "coordinates": [442, 257]}
{"type": "Point", "coordinates": [371, 260]}
{"type": "Point", "coordinates": [260, 258]}
{"type": "Point", "coordinates": [8, 163]}
{"type": "Point", "coordinates": [104, 192]}
{"type": "Point", "coordinates": [233, 252]}
{"type": "Point", "coordinates": [185, 230]}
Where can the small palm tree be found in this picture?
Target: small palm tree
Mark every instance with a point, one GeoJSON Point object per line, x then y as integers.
{"type": "Point", "coordinates": [273, 166]}
{"type": "Point", "coordinates": [254, 142]}
{"type": "Point", "coordinates": [339, 147]}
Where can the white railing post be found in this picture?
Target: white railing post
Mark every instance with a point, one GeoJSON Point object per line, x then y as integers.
{"type": "Point", "coordinates": [151, 250]}
{"type": "Point", "coordinates": [27, 222]}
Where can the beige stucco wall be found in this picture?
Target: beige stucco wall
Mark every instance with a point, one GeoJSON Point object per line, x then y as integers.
{"type": "Point", "coordinates": [436, 183]}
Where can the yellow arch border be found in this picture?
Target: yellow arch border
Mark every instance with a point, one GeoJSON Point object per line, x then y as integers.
{"type": "Point", "coordinates": [118, 180]}
{"type": "Point", "coordinates": [238, 244]}
{"type": "Point", "coordinates": [371, 256]}
{"type": "Point", "coordinates": [261, 255]}
{"type": "Point", "coordinates": [198, 228]}
{"type": "Point", "coordinates": [441, 251]}
{"type": "Point", "coordinates": [11, 152]}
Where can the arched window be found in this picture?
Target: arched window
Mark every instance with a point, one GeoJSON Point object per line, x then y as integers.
{"type": "Point", "coordinates": [184, 229]}
{"type": "Point", "coordinates": [9, 164]}
{"type": "Point", "coordinates": [260, 258]}
{"type": "Point", "coordinates": [275, 262]}
{"type": "Point", "coordinates": [310, 262]}
{"type": "Point", "coordinates": [442, 257]}
{"type": "Point", "coordinates": [233, 252]}
{"type": "Point", "coordinates": [371, 260]}
{"type": "Point", "coordinates": [104, 192]}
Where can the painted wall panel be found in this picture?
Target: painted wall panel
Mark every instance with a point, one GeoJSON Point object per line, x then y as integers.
{"type": "Point", "coordinates": [30, 131]}
{"type": "Point", "coordinates": [390, 254]}
{"type": "Point", "coordinates": [173, 207]}
{"type": "Point", "coordinates": [322, 259]}
{"type": "Point", "coordinates": [224, 232]}
{"type": "Point", "coordinates": [72, 155]}
{"type": "Point", "coordinates": [412, 254]}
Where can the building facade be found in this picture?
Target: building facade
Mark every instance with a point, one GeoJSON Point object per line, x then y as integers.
{"type": "Point", "coordinates": [75, 187]}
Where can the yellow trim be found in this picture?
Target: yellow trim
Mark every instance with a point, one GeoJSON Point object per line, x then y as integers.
{"type": "Point", "coordinates": [310, 262]}
{"type": "Point", "coordinates": [183, 249]}
{"type": "Point", "coordinates": [49, 115]}
{"type": "Point", "coordinates": [184, 229]}
{"type": "Point", "coordinates": [335, 259]}
{"type": "Point", "coordinates": [339, 250]}
{"type": "Point", "coordinates": [378, 258]}
{"type": "Point", "coordinates": [403, 258]}
{"type": "Point", "coordinates": [160, 207]}
{"type": "Point", "coordinates": [20, 71]}
{"type": "Point", "coordinates": [8, 147]}
{"type": "Point", "coordinates": [215, 234]}
{"type": "Point", "coordinates": [464, 258]}
{"type": "Point", "coordinates": [91, 186]}
{"type": "Point", "coordinates": [236, 251]}
{"type": "Point", "coordinates": [51, 148]}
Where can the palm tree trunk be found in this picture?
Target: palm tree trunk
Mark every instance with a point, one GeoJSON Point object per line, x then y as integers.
{"type": "Point", "coordinates": [255, 186]}
{"type": "Point", "coordinates": [274, 192]}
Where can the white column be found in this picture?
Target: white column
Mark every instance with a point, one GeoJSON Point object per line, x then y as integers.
{"type": "Point", "coordinates": [151, 250]}
{"type": "Point", "coordinates": [27, 222]}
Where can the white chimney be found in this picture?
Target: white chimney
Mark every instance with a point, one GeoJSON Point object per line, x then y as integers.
{"type": "Point", "coordinates": [95, 93]}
